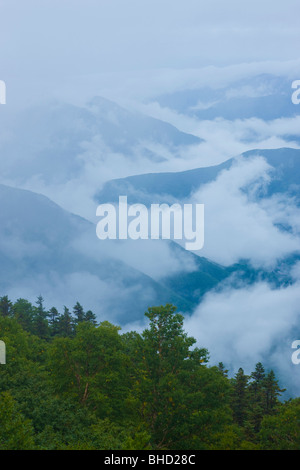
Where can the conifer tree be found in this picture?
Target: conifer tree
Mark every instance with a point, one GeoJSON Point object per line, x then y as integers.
{"type": "Point", "coordinates": [240, 397]}
{"type": "Point", "coordinates": [222, 369]}
{"type": "Point", "coordinates": [41, 325]}
{"type": "Point", "coordinates": [78, 313]}
{"type": "Point", "coordinates": [6, 306]}
{"type": "Point", "coordinates": [53, 320]}
{"type": "Point", "coordinates": [256, 389]}
{"type": "Point", "coordinates": [24, 314]}
{"type": "Point", "coordinates": [65, 325]}
{"type": "Point", "coordinates": [90, 317]}
{"type": "Point", "coordinates": [271, 393]}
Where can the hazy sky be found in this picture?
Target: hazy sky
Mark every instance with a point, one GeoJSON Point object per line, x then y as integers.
{"type": "Point", "coordinates": [49, 44]}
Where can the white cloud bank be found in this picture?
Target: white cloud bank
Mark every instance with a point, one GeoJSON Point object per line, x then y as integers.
{"type": "Point", "coordinates": [239, 227]}
{"type": "Point", "coordinates": [241, 327]}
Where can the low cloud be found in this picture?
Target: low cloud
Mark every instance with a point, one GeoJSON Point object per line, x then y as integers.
{"type": "Point", "coordinates": [241, 327]}
{"type": "Point", "coordinates": [154, 258]}
{"type": "Point", "coordinates": [240, 227]}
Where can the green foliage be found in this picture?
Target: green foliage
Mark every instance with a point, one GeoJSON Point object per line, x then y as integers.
{"type": "Point", "coordinates": [263, 398]}
{"type": "Point", "coordinates": [70, 383]}
{"type": "Point", "coordinates": [16, 432]}
{"type": "Point", "coordinates": [240, 398]}
{"type": "Point", "coordinates": [281, 431]}
{"type": "Point", "coordinates": [6, 307]}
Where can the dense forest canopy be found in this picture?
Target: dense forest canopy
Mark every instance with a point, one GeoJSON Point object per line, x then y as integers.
{"type": "Point", "coordinates": [71, 383]}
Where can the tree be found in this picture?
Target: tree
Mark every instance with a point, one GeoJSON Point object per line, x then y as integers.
{"type": "Point", "coordinates": [91, 387]}
{"type": "Point", "coordinates": [53, 320]}
{"type": "Point", "coordinates": [65, 324]}
{"type": "Point", "coordinates": [90, 317]}
{"type": "Point", "coordinates": [257, 378]}
{"type": "Point", "coordinates": [183, 403]}
{"type": "Point", "coordinates": [40, 307]}
{"type": "Point", "coordinates": [89, 368]}
{"type": "Point", "coordinates": [271, 393]}
{"type": "Point", "coordinates": [6, 306]}
{"type": "Point", "coordinates": [240, 397]}
{"type": "Point", "coordinates": [222, 369]}
{"type": "Point", "coordinates": [16, 433]}
{"type": "Point", "coordinates": [263, 393]}
{"type": "Point", "coordinates": [41, 326]}
{"type": "Point", "coordinates": [256, 399]}
{"type": "Point", "coordinates": [281, 431]}
{"type": "Point", "coordinates": [24, 313]}
{"type": "Point", "coordinates": [78, 313]}
{"type": "Point", "coordinates": [167, 340]}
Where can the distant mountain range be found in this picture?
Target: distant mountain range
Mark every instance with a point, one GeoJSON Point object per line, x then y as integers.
{"type": "Point", "coordinates": [151, 188]}
{"type": "Point", "coordinates": [71, 153]}
{"type": "Point", "coordinates": [172, 187]}
{"type": "Point", "coordinates": [40, 254]}
{"type": "Point", "coordinates": [65, 151]}
{"type": "Point", "coordinates": [263, 96]}
{"type": "Point", "coordinates": [52, 140]}
{"type": "Point", "coordinates": [44, 249]}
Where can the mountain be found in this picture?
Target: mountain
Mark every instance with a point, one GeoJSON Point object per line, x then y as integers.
{"type": "Point", "coordinates": [46, 250]}
{"type": "Point", "coordinates": [286, 171]}
{"type": "Point", "coordinates": [178, 187]}
{"type": "Point", "coordinates": [57, 140]}
{"type": "Point", "coordinates": [163, 187]}
{"type": "Point", "coordinates": [122, 129]}
{"type": "Point", "coordinates": [264, 96]}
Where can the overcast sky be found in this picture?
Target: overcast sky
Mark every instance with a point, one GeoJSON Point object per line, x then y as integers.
{"type": "Point", "coordinates": [48, 44]}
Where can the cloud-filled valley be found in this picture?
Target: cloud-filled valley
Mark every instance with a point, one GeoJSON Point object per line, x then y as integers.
{"type": "Point", "coordinates": [234, 148]}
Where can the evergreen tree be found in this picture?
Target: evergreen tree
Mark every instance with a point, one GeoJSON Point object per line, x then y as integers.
{"type": "Point", "coordinates": [256, 389]}
{"type": "Point", "coordinates": [6, 307]}
{"type": "Point", "coordinates": [222, 369]}
{"type": "Point", "coordinates": [41, 325]}
{"type": "Point", "coordinates": [258, 376]}
{"type": "Point", "coordinates": [40, 311]}
{"type": "Point", "coordinates": [24, 314]}
{"type": "Point", "coordinates": [54, 321]}
{"type": "Point", "coordinates": [78, 313]}
{"type": "Point", "coordinates": [65, 324]}
{"type": "Point", "coordinates": [240, 397]}
{"type": "Point", "coordinates": [271, 393]}
{"type": "Point", "coordinates": [90, 317]}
